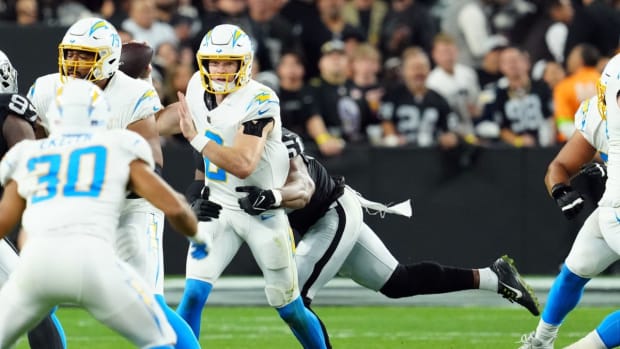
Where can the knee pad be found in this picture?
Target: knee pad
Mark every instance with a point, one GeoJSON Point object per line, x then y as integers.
{"type": "Point", "coordinates": [278, 296]}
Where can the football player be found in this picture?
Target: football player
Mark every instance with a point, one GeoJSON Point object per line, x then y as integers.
{"type": "Point", "coordinates": [234, 122]}
{"type": "Point", "coordinates": [591, 252]}
{"type": "Point", "coordinates": [328, 214]}
{"type": "Point", "coordinates": [91, 50]}
{"type": "Point", "coordinates": [69, 190]}
{"type": "Point", "coordinates": [17, 117]}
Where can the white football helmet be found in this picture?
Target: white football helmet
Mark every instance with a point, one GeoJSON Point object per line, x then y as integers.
{"type": "Point", "coordinates": [611, 71]}
{"type": "Point", "coordinates": [225, 42]}
{"type": "Point", "coordinates": [8, 75]}
{"type": "Point", "coordinates": [79, 105]}
{"type": "Point", "coordinates": [93, 35]}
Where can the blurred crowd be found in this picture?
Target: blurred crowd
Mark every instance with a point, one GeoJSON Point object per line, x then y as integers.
{"type": "Point", "coordinates": [447, 73]}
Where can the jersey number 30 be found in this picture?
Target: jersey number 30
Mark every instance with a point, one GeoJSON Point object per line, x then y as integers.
{"type": "Point", "coordinates": [79, 180]}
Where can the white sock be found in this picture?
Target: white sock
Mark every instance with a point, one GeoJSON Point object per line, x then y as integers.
{"type": "Point", "coordinates": [488, 279]}
{"type": "Point", "coordinates": [590, 341]}
{"type": "Point", "coordinates": [546, 332]}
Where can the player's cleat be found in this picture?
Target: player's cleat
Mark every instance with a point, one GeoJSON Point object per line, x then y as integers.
{"type": "Point", "coordinates": [512, 287]}
{"type": "Point", "coordinates": [529, 341]}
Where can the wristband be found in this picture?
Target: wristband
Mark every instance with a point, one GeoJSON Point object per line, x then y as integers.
{"type": "Point", "coordinates": [322, 138]}
{"type": "Point", "coordinates": [199, 142]}
{"type": "Point", "coordinates": [277, 195]}
{"type": "Point", "coordinates": [518, 141]}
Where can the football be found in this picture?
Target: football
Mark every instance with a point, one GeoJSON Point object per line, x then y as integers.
{"type": "Point", "coordinates": [135, 58]}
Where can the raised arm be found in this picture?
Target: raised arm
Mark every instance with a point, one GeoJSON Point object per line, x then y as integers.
{"type": "Point", "coordinates": [168, 120]}
{"type": "Point", "coordinates": [240, 159]}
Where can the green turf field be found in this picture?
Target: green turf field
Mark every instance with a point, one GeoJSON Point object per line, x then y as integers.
{"type": "Point", "coordinates": [352, 327]}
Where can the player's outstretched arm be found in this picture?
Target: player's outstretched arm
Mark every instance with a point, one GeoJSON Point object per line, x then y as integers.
{"type": "Point", "coordinates": [168, 120]}
{"type": "Point", "coordinates": [147, 128]}
{"type": "Point", "coordinates": [11, 208]}
{"type": "Point", "coordinates": [299, 186]}
{"type": "Point", "coordinates": [147, 184]}
{"type": "Point", "coordinates": [576, 152]}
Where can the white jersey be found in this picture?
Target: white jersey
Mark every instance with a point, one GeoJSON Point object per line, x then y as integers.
{"type": "Point", "coordinates": [252, 102]}
{"type": "Point", "coordinates": [611, 197]}
{"type": "Point", "coordinates": [74, 183]}
{"type": "Point", "coordinates": [592, 126]}
{"type": "Point", "coordinates": [130, 99]}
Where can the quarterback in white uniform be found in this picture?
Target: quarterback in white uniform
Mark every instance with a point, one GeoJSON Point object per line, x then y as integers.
{"type": "Point", "coordinates": [91, 50]}
{"type": "Point", "coordinates": [71, 188]}
{"type": "Point", "coordinates": [592, 251]}
{"type": "Point", "coordinates": [234, 122]}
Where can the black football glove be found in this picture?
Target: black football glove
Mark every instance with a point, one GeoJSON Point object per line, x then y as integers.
{"type": "Point", "coordinates": [595, 170]}
{"type": "Point", "coordinates": [569, 201]}
{"type": "Point", "coordinates": [205, 209]}
{"type": "Point", "coordinates": [258, 200]}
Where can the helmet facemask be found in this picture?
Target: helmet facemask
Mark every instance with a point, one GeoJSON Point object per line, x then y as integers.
{"type": "Point", "coordinates": [89, 36]}
{"type": "Point", "coordinates": [68, 67]}
{"type": "Point", "coordinates": [223, 83]}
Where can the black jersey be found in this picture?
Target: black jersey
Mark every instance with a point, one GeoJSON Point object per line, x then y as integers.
{"type": "Point", "coordinates": [326, 188]}
{"type": "Point", "coordinates": [342, 114]}
{"type": "Point", "coordinates": [296, 107]}
{"type": "Point", "coordinates": [419, 120]}
{"type": "Point", "coordinates": [14, 104]}
{"type": "Point", "coordinates": [523, 111]}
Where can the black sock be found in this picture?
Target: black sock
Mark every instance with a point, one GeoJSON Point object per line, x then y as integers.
{"type": "Point", "coordinates": [45, 336]}
{"type": "Point", "coordinates": [427, 278]}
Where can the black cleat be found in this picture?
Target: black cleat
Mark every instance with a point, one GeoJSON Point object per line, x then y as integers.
{"type": "Point", "coordinates": [512, 287]}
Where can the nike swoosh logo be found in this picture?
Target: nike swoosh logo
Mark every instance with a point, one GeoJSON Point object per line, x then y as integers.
{"type": "Point", "coordinates": [617, 218]}
{"type": "Point", "coordinates": [259, 201]}
{"type": "Point", "coordinates": [261, 112]}
{"type": "Point", "coordinates": [266, 216]}
{"type": "Point", "coordinates": [517, 292]}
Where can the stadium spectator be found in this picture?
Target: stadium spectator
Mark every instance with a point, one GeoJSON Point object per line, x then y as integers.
{"type": "Point", "coordinates": [467, 21]}
{"type": "Point", "coordinates": [297, 105]}
{"type": "Point", "coordinates": [521, 106]}
{"type": "Point", "coordinates": [456, 83]}
{"type": "Point", "coordinates": [329, 24]}
{"type": "Point", "coordinates": [488, 71]}
{"type": "Point", "coordinates": [144, 26]}
{"type": "Point", "coordinates": [578, 86]}
{"type": "Point", "coordinates": [543, 36]}
{"type": "Point", "coordinates": [365, 88]}
{"type": "Point", "coordinates": [595, 22]}
{"type": "Point", "coordinates": [27, 12]}
{"type": "Point", "coordinates": [367, 15]}
{"type": "Point", "coordinates": [236, 12]}
{"type": "Point", "coordinates": [413, 114]}
{"type": "Point", "coordinates": [276, 31]}
{"type": "Point", "coordinates": [341, 114]}
{"type": "Point", "coordinates": [407, 23]}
